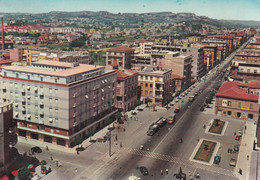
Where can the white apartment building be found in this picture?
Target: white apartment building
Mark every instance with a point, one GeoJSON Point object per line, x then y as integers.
{"type": "Point", "coordinates": [56, 101]}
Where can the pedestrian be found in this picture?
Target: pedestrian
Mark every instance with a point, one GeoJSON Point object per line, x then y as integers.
{"type": "Point", "coordinates": [51, 157]}
{"type": "Point", "coordinates": [161, 172]}
{"type": "Point", "coordinates": [76, 170]}
{"type": "Point", "coordinates": [121, 144]}
{"type": "Point", "coordinates": [245, 127]}
{"type": "Point", "coordinates": [116, 138]}
{"type": "Point", "coordinates": [235, 133]}
{"type": "Point", "coordinates": [247, 157]}
{"type": "Point", "coordinates": [57, 163]}
{"type": "Point", "coordinates": [204, 126]}
{"type": "Point", "coordinates": [47, 148]}
{"type": "Point", "coordinates": [25, 138]}
{"type": "Point", "coordinates": [167, 171]}
{"type": "Point", "coordinates": [240, 171]}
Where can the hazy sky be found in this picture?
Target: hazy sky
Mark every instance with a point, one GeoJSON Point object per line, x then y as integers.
{"type": "Point", "coordinates": [219, 9]}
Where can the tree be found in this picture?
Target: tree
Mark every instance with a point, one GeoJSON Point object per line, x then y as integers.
{"type": "Point", "coordinates": [147, 100]}
{"type": "Point", "coordinates": [24, 173]}
{"type": "Point", "coordinates": [118, 115]}
{"type": "Point", "coordinates": [43, 163]}
{"type": "Point", "coordinates": [108, 121]}
{"type": "Point", "coordinates": [217, 122]}
{"type": "Point", "coordinates": [77, 140]}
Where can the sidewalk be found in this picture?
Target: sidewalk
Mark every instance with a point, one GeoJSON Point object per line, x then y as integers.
{"type": "Point", "coordinates": [85, 143]}
{"type": "Point", "coordinates": [246, 149]}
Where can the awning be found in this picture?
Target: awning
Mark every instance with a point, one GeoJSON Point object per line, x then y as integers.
{"type": "Point", "coordinates": [16, 114]}
{"type": "Point", "coordinates": [86, 96]}
{"type": "Point", "coordinates": [50, 120]}
{"type": "Point", "coordinates": [28, 87]}
{"type": "Point", "coordinates": [35, 89]}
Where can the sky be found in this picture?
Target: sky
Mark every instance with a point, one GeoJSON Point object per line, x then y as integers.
{"type": "Point", "coordinates": [218, 9]}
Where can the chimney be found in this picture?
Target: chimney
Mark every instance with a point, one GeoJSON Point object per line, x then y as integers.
{"type": "Point", "coordinates": [3, 37]}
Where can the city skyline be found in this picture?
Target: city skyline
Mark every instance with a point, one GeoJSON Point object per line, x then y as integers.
{"type": "Point", "coordinates": [221, 9]}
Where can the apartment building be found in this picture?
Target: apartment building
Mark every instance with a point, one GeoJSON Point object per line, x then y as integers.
{"type": "Point", "coordinates": [56, 101]}
{"type": "Point", "coordinates": [179, 64]}
{"type": "Point", "coordinates": [30, 55]}
{"type": "Point", "coordinates": [155, 85]}
{"type": "Point", "coordinates": [127, 81]}
{"type": "Point", "coordinates": [246, 65]}
{"type": "Point", "coordinates": [120, 56]}
{"type": "Point", "coordinates": [16, 54]}
{"type": "Point", "coordinates": [238, 100]}
{"type": "Point", "coordinates": [146, 47]}
{"type": "Point", "coordinates": [8, 138]}
{"type": "Point", "coordinates": [220, 43]}
{"type": "Point", "coordinates": [210, 56]}
{"type": "Point", "coordinates": [196, 52]}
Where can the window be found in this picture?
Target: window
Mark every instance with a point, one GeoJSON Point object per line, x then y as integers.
{"type": "Point", "coordinates": [146, 77]}
{"type": "Point", "coordinates": [146, 84]}
{"type": "Point", "coordinates": [151, 92]}
{"type": "Point", "coordinates": [251, 106]}
{"type": "Point", "coordinates": [255, 71]}
{"type": "Point", "coordinates": [151, 85]}
{"type": "Point", "coordinates": [239, 104]}
{"type": "Point", "coordinates": [151, 78]}
{"type": "Point", "coordinates": [146, 92]}
{"type": "Point", "coordinates": [229, 103]}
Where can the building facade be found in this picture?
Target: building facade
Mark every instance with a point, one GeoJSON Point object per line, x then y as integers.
{"type": "Point", "coordinates": [238, 100]}
{"type": "Point", "coordinates": [120, 56]}
{"type": "Point", "coordinates": [8, 138]}
{"type": "Point", "coordinates": [127, 81]}
{"type": "Point", "coordinates": [156, 85]}
{"type": "Point", "coordinates": [55, 102]}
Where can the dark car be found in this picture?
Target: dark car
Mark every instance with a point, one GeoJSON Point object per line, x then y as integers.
{"type": "Point", "coordinates": [36, 149]}
{"type": "Point", "coordinates": [133, 113]}
{"type": "Point", "coordinates": [144, 170]}
{"type": "Point", "coordinates": [177, 110]}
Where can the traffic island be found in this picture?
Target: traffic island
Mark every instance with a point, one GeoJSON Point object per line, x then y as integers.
{"type": "Point", "coordinates": [205, 151]}
{"type": "Point", "coordinates": [217, 127]}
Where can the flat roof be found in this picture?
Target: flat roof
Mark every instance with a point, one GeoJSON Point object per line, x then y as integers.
{"type": "Point", "coordinates": [62, 73]}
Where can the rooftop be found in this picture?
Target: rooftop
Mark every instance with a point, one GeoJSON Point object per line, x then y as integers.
{"type": "Point", "coordinates": [81, 68]}
{"type": "Point", "coordinates": [234, 91]}
{"type": "Point", "coordinates": [120, 49]}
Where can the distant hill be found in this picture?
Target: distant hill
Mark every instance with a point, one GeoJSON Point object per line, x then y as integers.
{"type": "Point", "coordinates": [134, 18]}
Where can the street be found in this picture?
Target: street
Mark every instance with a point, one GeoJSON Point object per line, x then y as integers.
{"type": "Point", "coordinates": [161, 151]}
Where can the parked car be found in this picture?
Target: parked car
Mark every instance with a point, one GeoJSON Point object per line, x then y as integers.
{"type": "Point", "coordinates": [232, 162]}
{"type": "Point", "coordinates": [133, 113]}
{"type": "Point", "coordinates": [144, 170]}
{"type": "Point", "coordinates": [36, 149]}
{"type": "Point", "coordinates": [240, 133]}
{"type": "Point", "coordinates": [237, 137]}
{"type": "Point", "coordinates": [177, 110]}
{"type": "Point", "coordinates": [236, 147]}
{"type": "Point", "coordinates": [217, 159]}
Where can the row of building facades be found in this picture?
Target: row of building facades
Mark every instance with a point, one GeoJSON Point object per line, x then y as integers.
{"type": "Point", "coordinates": [57, 96]}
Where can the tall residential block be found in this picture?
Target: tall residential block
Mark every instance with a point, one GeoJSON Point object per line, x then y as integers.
{"type": "Point", "coordinates": [55, 102]}
{"type": "Point", "coordinates": [120, 56]}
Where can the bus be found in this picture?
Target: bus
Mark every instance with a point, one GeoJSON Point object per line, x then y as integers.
{"type": "Point", "coordinates": [153, 128]}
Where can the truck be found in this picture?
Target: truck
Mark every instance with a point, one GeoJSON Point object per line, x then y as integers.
{"type": "Point", "coordinates": [191, 98]}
